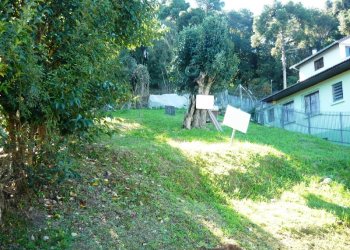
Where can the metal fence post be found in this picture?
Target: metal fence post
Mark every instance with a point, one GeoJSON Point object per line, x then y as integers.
{"type": "Point", "coordinates": [309, 123]}
{"type": "Point", "coordinates": [341, 127]}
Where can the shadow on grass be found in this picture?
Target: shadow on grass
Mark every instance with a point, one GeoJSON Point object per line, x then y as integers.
{"type": "Point", "coordinates": [343, 213]}
{"type": "Point", "coordinates": [265, 177]}
{"type": "Point", "coordinates": [164, 201]}
{"type": "Point", "coordinates": [316, 157]}
{"type": "Point", "coordinates": [195, 211]}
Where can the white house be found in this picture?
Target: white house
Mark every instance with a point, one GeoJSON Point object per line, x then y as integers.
{"type": "Point", "coordinates": [323, 88]}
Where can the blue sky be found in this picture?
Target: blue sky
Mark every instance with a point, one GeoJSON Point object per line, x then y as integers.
{"type": "Point", "coordinates": [257, 5]}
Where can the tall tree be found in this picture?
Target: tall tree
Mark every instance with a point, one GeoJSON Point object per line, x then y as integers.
{"type": "Point", "coordinates": [284, 26]}
{"type": "Point", "coordinates": [209, 5]}
{"type": "Point", "coordinates": [189, 18]}
{"type": "Point", "coordinates": [205, 62]}
{"type": "Point", "coordinates": [340, 9]}
{"type": "Point", "coordinates": [172, 9]}
{"type": "Point", "coordinates": [241, 30]}
{"type": "Point", "coordinates": [59, 66]}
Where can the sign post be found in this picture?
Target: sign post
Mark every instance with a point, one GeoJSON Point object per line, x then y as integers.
{"type": "Point", "coordinates": [237, 120]}
{"type": "Point", "coordinates": [233, 135]}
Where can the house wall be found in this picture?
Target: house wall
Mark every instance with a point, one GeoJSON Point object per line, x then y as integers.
{"type": "Point", "coordinates": [342, 46]}
{"type": "Point", "coordinates": [325, 95]}
{"type": "Point", "coordinates": [330, 110]}
{"type": "Point", "coordinates": [331, 57]}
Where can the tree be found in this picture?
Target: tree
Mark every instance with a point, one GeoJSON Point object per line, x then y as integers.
{"type": "Point", "coordinates": [209, 5]}
{"type": "Point", "coordinates": [59, 65]}
{"type": "Point", "coordinates": [341, 9]}
{"type": "Point", "coordinates": [189, 18]}
{"type": "Point", "coordinates": [241, 30]}
{"type": "Point", "coordinates": [205, 62]}
{"type": "Point", "coordinates": [172, 9]}
{"type": "Point", "coordinates": [160, 57]}
{"type": "Point", "coordinates": [321, 29]}
{"type": "Point", "coordinates": [284, 26]}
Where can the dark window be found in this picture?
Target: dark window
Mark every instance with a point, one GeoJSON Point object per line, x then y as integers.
{"type": "Point", "coordinates": [319, 63]}
{"type": "Point", "coordinates": [337, 91]}
{"type": "Point", "coordinates": [347, 51]}
{"type": "Point", "coordinates": [312, 103]}
{"type": "Point", "coordinates": [271, 115]}
{"type": "Point", "coordinates": [288, 110]}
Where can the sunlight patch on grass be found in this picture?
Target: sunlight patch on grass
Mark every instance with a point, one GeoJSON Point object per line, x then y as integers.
{"type": "Point", "coordinates": [217, 231]}
{"type": "Point", "coordinates": [220, 158]}
{"type": "Point", "coordinates": [294, 222]}
{"type": "Point", "coordinates": [245, 148]}
{"type": "Point", "coordinates": [280, 214]}
{"type": "Point", "coordinates": [120, 124]}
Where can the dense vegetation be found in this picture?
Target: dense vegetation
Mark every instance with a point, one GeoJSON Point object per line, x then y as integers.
{"type": "Point", "coordinates": [59, 66]}
{"type": "Point", "coordinates": [64, 62]}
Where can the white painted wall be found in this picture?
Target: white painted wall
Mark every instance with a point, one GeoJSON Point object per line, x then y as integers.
{"type": "Point", "coordinates": [342, 46]}
{"type": "Point", "coordinates": [331, 57]}
{"type": "Point", "coordinates": [325, 94]}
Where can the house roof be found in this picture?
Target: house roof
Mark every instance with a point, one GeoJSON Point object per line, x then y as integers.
{"type": "Point", "coordinates": [297, 66]}
{"type": "Point", "coordinates": [324, 75]}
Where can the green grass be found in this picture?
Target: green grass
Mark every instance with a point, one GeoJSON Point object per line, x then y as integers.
{"type": "Point", "coordinates": [153, 185]}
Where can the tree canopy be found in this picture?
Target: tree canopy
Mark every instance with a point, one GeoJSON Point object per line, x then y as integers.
{"type": "Point", "coordinates": [59, 64]}
{"type": "Point", "coordinates": [205, 61]}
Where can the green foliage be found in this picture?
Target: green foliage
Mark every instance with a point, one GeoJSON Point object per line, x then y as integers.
{"type": "Point", "coordinates": [59, 67]}
{"type": "Point", "coordinates": [160, 57]}
{"type": "Point", "coordinates": [291, 31]}
{"type": "Point", "coordinates": [210, 5]}
{"type": "Point", "coordinates": [59, 59]}
{"type": "Point", "coordinates": [339, 10]}
{"type": "Point", "coordinates": [172, 9]}
{"type": "Point", "coordinates": [241, 30]}
{"type": "Point", "coordinates": [71, 66]}
{"type": "Point", "coordinates": [190, 18]}
{"type": "Point", "coordinates": [344, 20]}
{"type": "Point", "coordinates": [206, 48]}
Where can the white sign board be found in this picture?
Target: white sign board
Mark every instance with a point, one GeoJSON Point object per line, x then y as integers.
{"type": "Point", "coordinates": [236, 119]}
{"type": "Point", "coordinates": [205, 102]}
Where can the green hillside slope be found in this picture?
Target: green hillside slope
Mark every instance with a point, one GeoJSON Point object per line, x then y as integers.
{"type": "Point", "coordinates": [153, 185]}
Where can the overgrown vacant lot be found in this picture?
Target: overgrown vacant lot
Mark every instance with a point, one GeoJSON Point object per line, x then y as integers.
{"type": "Point", "coordinates": [153, 185]}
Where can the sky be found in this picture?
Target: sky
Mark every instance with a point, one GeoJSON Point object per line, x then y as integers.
{"type": "Point", "coordinates": [256, 6]}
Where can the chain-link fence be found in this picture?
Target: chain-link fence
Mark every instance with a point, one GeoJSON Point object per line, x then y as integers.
{"type": "Point", "coordinates": [241, 98]}
{"type": "Point", "coordinates": [330, 126]}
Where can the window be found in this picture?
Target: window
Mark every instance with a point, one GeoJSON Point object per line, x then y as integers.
{"type": "Point", "coordinates": [319, 63]}
{"type": "Point", "coordinates": [288, 112]}
{"type": "Point", "coordinates": [271, 115]}
{"type": "Point", "coordinates": [337, 91]}
{"type": "Point", "coordinates": [312, 103]}
{"type": "Point", "coordinates": [347, 51]}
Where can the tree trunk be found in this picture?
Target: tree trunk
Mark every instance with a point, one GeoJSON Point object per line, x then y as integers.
{"type": "Point", "coordinates": [189, 115]}
{"type": "Point", "coordinates": [284, 63]}
{"type": "Point", "coordinates": [196, 118]}
{"type": "Point", "coordinates": [12, 142]}
{"type": "Point", "coordinates": [2, 204]}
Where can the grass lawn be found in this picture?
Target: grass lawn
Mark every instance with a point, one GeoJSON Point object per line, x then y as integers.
{"type": "Point", "coordinates": [153, 185]}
